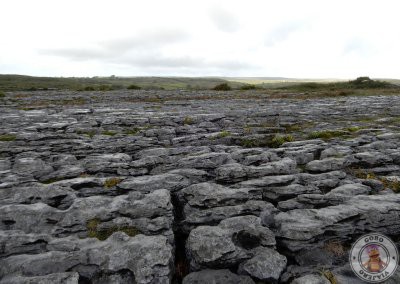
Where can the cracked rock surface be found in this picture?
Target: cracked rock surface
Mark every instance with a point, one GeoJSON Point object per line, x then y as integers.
{"type": "Point", "coordinates": [193, 187]}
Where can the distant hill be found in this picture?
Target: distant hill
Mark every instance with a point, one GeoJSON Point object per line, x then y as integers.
{"type": "Point", "coordinates": [30, 83]}
{"type": "Point", "coordinates": [21, 82]}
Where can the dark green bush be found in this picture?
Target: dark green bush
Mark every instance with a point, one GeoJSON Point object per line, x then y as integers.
{"type": "Point", "coordinates": [89, 88]}
{"type": "Point", "coordinates": [105, 88]}
{"type": "Point", "coordinates": [133, 87]}
{"type": "Point", "coordinates": [248, 87]}
{"type": "Point", "coordinates": [222, 87]}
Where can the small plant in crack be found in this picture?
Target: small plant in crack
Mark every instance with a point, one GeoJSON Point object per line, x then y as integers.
{"type": "Point", "coordinates": [93, 230]}
{"type": "Point", "coordinates": [111, 182]}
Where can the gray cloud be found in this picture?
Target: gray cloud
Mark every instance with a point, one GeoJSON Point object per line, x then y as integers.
{"type": "Point", "coordinates": [224, 20]}
{"type": "Point", "coordinates": [77, 54]}
{"type": "Point", "coordinates": [158, 60]}
{"type": "Point", "coordinates": [114, 48]}
{"type": "Point", "coordinates": [148, 59]}
{"type": "Point", "coordinates": [146, 39]}
{"type": "Point", "coordinates": [146, 51]}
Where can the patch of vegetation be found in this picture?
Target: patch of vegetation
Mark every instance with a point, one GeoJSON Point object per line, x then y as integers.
{"type": "Point", "coordinates": [344, 88]}
{"type": "Point", "coordinates": [335, 247]}
{"type": "Point", "coordinates": [366, 119]}
{"type": "Point", "coordinates": [109, 133]}
{"type": "Point", "coordinates": [111, 182]}
{"type": "Point", "coordinates": [90, 133]}
{"type": "Point", "coordinates": [89, 88]}
{"type": "Point", "coordinates": [367, 83]}
{"type": "Point", "coordinates": [2, 94]}
{"type": "Point", "coordinates": [297, 127]}
{"type": "Point", "coordinates": [329, 275]}
{"type": "Point", "coordinates": [224, 133]}
{"type": "Point", "coordinates": [23, 83]}
{"type": "Point", "coordinates": [278, 140]}
{"type": "Point", "coordinates": [188, 120]}
{"type": "Point", "coordinates": [103, 234]}
{"type": "Point", "coordinates": [105, 88]}
{"type": "Point", "coordinates": [221, 134]}
{"type": "Point", "coordinates": [7, 137]}
{"type": "Point", "coordinates": [326, 134]}
{"type": "Point", "coordinates": [153, 100]}
{"type": "Point", "coordinates": [222, 87]}
{"type": "Point", "coordinates": [391, 183]}
{"type": "Point", "coordinates": [132, 131]}
{"type": "Point", "coordinates": [353, 128]}
{"type": "Point", "coordinates": [249, 143]}
{"type": "Point", "coordinates": [133, 87]}
{"type": "Point", "coordinates": [293, 127]}
{"type": "Point", "coordinates": [388, 183]}
{"type": "Point", "coordinates": [274, 142]}
{"type": "Point", "coordinates": [248, 87]}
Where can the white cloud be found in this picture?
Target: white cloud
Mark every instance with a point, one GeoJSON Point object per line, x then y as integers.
{"type": "Point", "coordinates": [224, 20]}
{"type": "Point", "coordinates": [291, 38]}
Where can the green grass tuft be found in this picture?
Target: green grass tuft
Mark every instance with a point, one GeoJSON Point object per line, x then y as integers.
{"type": "Point", "coordinates": [278, 140]}
{"type": "Point", "coordinates": [7, 137]}
{"type": "Point", "coordinates": [188, 120]}
{"type": "Point", "coordinates": [109, 133]}
{"type": "Point", "coordinates": [132, 131]}
{"type": "Point", "coordinates": [90, 133]}
{"type": "Point", "coordinates": [224, 133]}
{"type": "Point", "coordinates": [111, 182]}
{"type": "Point", "coordinates": [103, 234]}
{"type": "Point", "coordinates": [326, 134]}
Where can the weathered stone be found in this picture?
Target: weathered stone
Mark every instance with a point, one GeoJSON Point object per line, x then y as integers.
{"type": "Point", "coordinates": [266, 265]}
{"type": "Point", "coordinates": [205, 161]}
{"type": "Point", "coordinates": [152, 255]}
{"type": "Point", "coordinates": [229, 243]}
{"type": "Point", "coordinates": [326, 165]}
{"type": "Point", "coordinates": [199, 216]}
{"type": "Point", "coordinates": [171, 182]}
{"type": "Point", "coordinates": [311, 279]}
{"type": "Point", "coordinates": [299, 227]}
{"type": "Point", "coordinates": [210, 195]}
{"type": "Point", "coordinates": [351, 190]}
{"type": "Point", "coordinates": [62, 278]}
{"type": "Point", "coordinates": [222, 276]}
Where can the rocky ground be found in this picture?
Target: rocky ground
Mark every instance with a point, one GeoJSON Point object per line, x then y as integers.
{"type": "Point", "coordinates": [193, 187]}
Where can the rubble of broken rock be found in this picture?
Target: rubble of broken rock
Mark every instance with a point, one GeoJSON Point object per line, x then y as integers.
{"type": "Point", "coordinates": [193, 187]}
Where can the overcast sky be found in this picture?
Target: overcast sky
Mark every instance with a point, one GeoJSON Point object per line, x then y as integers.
{"type": "Point", "coordinates": [289, 38]}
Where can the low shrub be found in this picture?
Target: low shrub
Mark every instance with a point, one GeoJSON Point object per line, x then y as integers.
{"type": "Point", "coordinates": [222, 87]}
{"type": "Point", "coordinates": [133, 87]}
{"type": "Point", "coordinates": [248, 87]}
